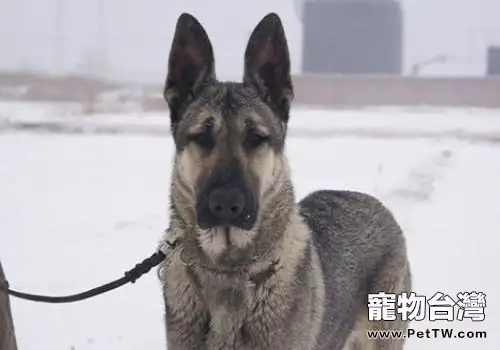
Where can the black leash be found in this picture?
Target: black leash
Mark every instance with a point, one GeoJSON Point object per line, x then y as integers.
{"type": "Point", "coordinates": [130, 277]}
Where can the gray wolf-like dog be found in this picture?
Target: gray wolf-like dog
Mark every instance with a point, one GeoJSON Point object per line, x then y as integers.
{"type": "Point", "coordinates": [249, 267]}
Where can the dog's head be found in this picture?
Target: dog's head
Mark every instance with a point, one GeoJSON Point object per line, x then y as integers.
{"type": "Point", "coordinates": [229, 136]}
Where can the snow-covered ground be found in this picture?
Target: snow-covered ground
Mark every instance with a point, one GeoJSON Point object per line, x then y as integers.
{"type": "Point", "coordinates": [81, 204]}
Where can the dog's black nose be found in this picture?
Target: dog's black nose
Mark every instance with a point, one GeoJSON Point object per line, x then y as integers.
{"type": "Point", "coordinates": [226, 204]}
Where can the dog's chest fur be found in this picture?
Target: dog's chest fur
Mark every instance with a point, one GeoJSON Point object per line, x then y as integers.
{"type": "Point", "coordinates": [248, 310]}
{"type": "Point", "coordinates": [231, 302]}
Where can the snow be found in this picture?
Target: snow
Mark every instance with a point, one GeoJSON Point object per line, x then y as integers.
{"type": "Point", "coordinates": [78, 209]}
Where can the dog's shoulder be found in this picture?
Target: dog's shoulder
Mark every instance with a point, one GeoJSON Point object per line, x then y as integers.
{"type": "Point", "coordinates": [342, 210]}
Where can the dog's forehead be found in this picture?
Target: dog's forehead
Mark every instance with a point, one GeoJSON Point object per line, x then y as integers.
{"type": "Point", "coordinates": [232, 104]}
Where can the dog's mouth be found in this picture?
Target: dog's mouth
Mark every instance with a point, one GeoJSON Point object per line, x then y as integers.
{"type": "Point", "coordinates": [227, 231]}
{"type": "Point", "coordinates": [231, 235]}
{"type": "Point", "coordinates": [227, 245]}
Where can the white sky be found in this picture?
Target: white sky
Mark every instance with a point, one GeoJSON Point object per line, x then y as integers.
{"type": "Point", "coordinates": [137, 34]}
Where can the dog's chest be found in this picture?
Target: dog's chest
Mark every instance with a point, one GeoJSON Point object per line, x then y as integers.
{"type": "Point", "coordinates": [227, 297]}
{"type": "Point", "coordinates": [233, 305]}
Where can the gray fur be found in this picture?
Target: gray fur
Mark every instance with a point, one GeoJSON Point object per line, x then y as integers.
{"type": "Point", "coordinates": [282, 275]}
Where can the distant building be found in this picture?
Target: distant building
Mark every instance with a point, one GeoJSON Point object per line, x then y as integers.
{"type": "Point", "coordinates": [493, 61]}
{"type": "Point", "coordinates": [352, 37]}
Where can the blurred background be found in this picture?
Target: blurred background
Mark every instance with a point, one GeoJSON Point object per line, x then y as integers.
{"type": "Point", "coordinates": [398, 99]}
{"type": "Point", "coordinates": [127, 42]}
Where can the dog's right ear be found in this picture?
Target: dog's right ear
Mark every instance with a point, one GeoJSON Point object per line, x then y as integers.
{"type": "Point", "coordinates": [191, 64]}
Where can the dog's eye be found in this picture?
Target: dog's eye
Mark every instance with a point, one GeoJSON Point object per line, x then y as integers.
{"type": "Point", "coordinates": [204, 139]}
{"type": "Point", "coordinates": [254, 139]}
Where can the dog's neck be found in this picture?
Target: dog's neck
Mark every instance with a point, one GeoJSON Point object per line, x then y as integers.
{"type": "Point", "coordinates": [253, 263]}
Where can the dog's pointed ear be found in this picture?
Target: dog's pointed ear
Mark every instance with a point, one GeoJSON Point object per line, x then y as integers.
{"type": "Point", "coordinates": [191, 64]}
{"type": "Point", "coordinates": [267, 64]}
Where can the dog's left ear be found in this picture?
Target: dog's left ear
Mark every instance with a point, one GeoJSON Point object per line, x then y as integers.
{"type": "Point", "coordinates": [267, 64]}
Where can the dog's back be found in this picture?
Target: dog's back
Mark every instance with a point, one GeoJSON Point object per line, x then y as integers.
{"type": "Point", "coordinates": [362, 250]}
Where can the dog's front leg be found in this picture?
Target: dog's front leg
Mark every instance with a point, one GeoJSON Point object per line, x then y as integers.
{"type": "Point", "coordinates": [187, 327]}
{"type": "Point", "coordinates": [187, 319]}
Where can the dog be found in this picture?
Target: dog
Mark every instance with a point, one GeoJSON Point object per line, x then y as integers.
{"type": "Point", "coordinates": [248, 266]}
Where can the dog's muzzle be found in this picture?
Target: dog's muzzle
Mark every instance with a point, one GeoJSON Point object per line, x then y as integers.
{"type": "Point", "coordinates": [226, 206]}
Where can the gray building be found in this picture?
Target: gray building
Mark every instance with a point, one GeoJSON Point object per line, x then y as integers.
{"type": "Point", "coordinates": [352, 37]}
